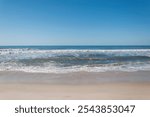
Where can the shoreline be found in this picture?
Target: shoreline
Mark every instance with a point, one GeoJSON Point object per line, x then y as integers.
{"type": "Point", "coordinates": [79, 85]}
{"type": "Point", "coordinates": [74, 77]}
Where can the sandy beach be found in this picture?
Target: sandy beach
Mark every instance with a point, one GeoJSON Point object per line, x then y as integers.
{"type": "Point", "coordinates": [78, 85]}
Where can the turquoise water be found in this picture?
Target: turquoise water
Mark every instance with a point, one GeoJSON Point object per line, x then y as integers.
{"type": "Point", "coordinates": [62, 59]}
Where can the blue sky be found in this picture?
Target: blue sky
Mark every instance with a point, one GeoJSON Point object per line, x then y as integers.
{"type": "Point", "coordinates": [74, 22]}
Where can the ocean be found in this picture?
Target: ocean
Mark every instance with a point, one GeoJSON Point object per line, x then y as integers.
{"type": "Point", "coordinates": [64, 59]}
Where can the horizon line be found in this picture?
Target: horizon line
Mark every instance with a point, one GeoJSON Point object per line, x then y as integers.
{"type": "Point", "coordinates": [73, 45]}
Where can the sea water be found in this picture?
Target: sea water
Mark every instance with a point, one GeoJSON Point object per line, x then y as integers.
{"type": "Point", "coordinates": [64, 59]}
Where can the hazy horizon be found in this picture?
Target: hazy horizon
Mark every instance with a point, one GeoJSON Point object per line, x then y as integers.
{"type": "Point", "coordinates": [74, 45]}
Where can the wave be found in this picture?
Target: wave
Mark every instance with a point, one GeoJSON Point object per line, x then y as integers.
{"type": "Point", "coordinates": [51, 68]}
{"type": "Point", "coordinates": [74, 52]}
{"type": "Point", "coordinates": [73, 60]}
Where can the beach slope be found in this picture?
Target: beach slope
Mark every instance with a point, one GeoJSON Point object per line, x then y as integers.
{"type": "Point", "coordinates": [79, 85]}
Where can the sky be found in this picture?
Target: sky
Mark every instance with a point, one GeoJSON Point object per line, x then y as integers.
{"type": "Point", "coordinates": [74, 22]}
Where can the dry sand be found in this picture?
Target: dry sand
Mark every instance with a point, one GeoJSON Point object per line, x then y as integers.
{"type": "Point", "coordinates": [80, 85]}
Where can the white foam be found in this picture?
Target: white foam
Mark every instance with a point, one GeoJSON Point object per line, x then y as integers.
{"type": "Point", "coordinates": [50, 68]}
{"type": "Point", "coordinates": [8, 59]}
{"type": "Point", "coordinates": [26, 53]}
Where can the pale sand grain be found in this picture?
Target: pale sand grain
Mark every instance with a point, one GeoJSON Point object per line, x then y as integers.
{"type": "Point", "coordinates": [81, 85]}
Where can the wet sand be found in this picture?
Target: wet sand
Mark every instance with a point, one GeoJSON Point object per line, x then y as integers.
{"type": "Point", "coordinates": [79, 85]}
